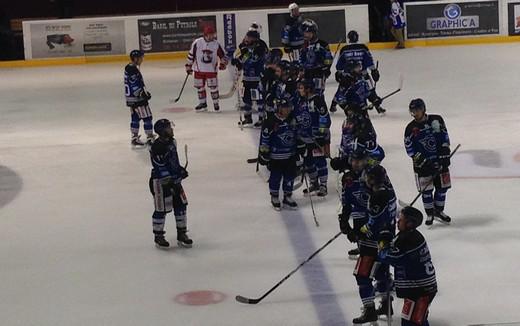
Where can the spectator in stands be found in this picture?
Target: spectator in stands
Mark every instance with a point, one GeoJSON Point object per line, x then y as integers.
{"type": "Point", "coordinates": [398, 23]}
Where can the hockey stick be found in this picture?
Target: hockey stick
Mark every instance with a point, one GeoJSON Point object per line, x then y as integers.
{"type": "Point", "coordinates": [310, 199]}
{"type": "Point", "coordinates": [252, 160]}
{"type": "Point", "coordinates": [243, 299]}
{"type": "Point", "coordinates": [337, 49]}
{"type": "Point", "coordinates": [234, 86]}
{"type": "Point", "coordinates": [371, 105]}
{"type": "Point", "coordinates": [182, 89]}
{"type": "Point", "coordinates": [403, 204]}
{"type": "Point", "coordinates": [186, 155]}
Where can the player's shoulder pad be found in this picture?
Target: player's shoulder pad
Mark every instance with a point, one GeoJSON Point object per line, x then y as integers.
{"type": "Point", "coordinates": [131, 69]}
{"type": "Point", "coordinates": [437, 117]}
{"type": "Point", "coordinates": [409, 240]}
{"type": "Point", "coordinates": [159, 147]}
{"type": "Point", "coordinates": [323, 44]}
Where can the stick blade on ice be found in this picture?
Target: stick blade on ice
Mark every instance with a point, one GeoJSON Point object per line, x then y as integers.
{"type": "Point", "coordinates": [245, 300]}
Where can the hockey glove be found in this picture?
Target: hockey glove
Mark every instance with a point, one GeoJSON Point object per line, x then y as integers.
{"type": "Point", "coordinates": [145, 94]}
{"type": "Point", "coordinates": [183, 173]}
{"type": "Point", "coordinates": [343, 223]}
{"type": "Point", "coordinates": [444, 157]}
{"type": "Point", "coordinates": [423, 163]}
{"type": "Point", "coordinates": [338, 164]}
{"type": "Point", "coordinates": [385, 237]}
{"type": "Point", "coordinates": [235, 62]}
{"type": "Point", "coordinates": [189, 69]}
{"type": "Point", "coordinates": [263, 159]}
{"type": "Point", "coordinates": [375, 75]}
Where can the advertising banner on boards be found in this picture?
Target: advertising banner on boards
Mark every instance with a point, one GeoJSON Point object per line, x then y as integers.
{"type": "Point", "coordinates": [77, 38]}
{"type": "Point", "coordinates": [171, 34]}
{"type": "Point", "coordinates": [513, 14]}
{"type": "Point", "coordinates": [452, 19]}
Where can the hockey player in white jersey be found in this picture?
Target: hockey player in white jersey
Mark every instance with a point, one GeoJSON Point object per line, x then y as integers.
{"type": "Point", "coordinates": [205, 58]}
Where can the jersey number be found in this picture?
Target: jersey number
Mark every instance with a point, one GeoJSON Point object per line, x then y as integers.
{"type": "Point", "coordinates": [127, 90]}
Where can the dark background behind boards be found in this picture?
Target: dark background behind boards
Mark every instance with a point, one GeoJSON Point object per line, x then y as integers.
{"type": "Point", "coordinates": [331, 26]}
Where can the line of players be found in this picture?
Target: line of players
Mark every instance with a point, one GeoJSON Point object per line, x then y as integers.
{"type": "Point", "coordinates": [296, 128]}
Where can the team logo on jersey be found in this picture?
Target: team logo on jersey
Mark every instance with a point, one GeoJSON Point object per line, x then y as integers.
{"type": "Point", "coordinates": [436, 126]}
{"type": "Point", "coordinates": [287, 138]}
{"type": "Point", "coordinates": [207, 56]}
{"type": "Point", "coordinates": [429, 144]}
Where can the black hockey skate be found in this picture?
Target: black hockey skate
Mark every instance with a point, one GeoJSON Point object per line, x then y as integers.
{"type": "Point", "coordinates": [247, 122]}
{"type": "Point", "coordinates": [183, 240]}
{"type": "Point", "coordinates": [382, 310]}
{"type": "Point", "coordinates": [258, 124]}
{"type": "Point", "coordinates": [314, 187]}
{"type": "Point", "coordinates": [380, 110]}
{"type": "Point", "coordinates": [333, 107]}
{"type": "Point", "coordinates": [429, 217]}
{"type": "Point", "coordinates": [442, 217]}
{"type": "Point", "coordinates": [136, 142]}
{"type": "Point", "coordinates": [369, 315]}
{"type": "Point", "coordinates": [216, 107]}
{"type": "Point", "coordinates": [322, 191]}
{"type": "Point", "coordinates": [289, 202]}
{"type": "Point", "coordinates": [275, 201]}
{"type": "Point", "coordinates": [160, 242]}
{"type": "Point", "coordinates": [353, 253]}
{"type": "Point", "coordinates": [201, 107]}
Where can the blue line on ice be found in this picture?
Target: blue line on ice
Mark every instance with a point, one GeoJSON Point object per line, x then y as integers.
{"type": "Point", "coordinates": [318, 285]}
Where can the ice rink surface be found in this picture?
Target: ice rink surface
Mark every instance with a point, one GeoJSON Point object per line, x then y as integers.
{"type": "Point", "coordinates": [75, 210]}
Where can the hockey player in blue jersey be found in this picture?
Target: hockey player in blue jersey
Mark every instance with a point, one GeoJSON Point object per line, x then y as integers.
{"type": "Point", "coordinates": [277, 151]}
{"type": "Point", "coordinates": [427, 142]}
{"type": "Point", "coordinates": [318, 148]}
{"type": "Point", "coordinates": [137, 98]}
{"type": "Point", "coordinates": [371, 191]}
{"type": "Point", "coordinates": [292, 33]}
{"type": "Point", "coordinates": [270, 79]}
{"type": "Point", "coordinates": [359, 53]}
{"type": "Point", "coordinates": [251, 60]}
{"type": "Point", "coordinates": [353, 89]}
{"type": "Point", "coordinates": [316, 58]}
{"type": "Point", "coordinates": [415, 279]}
{"type": "Point", "coordinates": [165, 185]}
{"type": "Point", "coordinates": [278, 88]}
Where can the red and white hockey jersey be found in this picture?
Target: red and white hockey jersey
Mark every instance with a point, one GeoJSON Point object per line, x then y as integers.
{"type": "Point", "coordinates": [204, 56]}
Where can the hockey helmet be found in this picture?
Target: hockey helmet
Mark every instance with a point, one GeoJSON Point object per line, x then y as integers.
{"type": "Point", "coordinates": [285, 65]}
{"type": "Point", "coordinates": [284, 103]}
{"type": "Point", "coordinates": [353, 36]}
{"type": "Point", "coordinates": [209, 30]}
{"type": "Point", "coordinates": [274, 56]}
{"type": "Point", "coordinates": [161, 125]}
{"type": "Point", "coordinates": [359, 153]}
{"type": "Point", "coordinates": [417, 104]}
{"type": "Point", "coordinates": [376, 176]}
{"type": "Point", "coordinates": [134, 54]}
{"type": "Point", "coordinates": [310, 26]}
{"type": "Point", "coordinates": [307, 83]}
{"type": "Point", "coordinates": [255, 27]}
{"type": "Point", "coordinates": [294, 9]}
{"type": "Point", "coordinates": [413, 215]}
{"type": "Point", "coordinates": [253, 34]}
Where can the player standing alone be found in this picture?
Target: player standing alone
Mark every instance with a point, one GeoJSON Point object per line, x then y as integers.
{"type": "Point", "coordinates": [428, 144]}
{"type": "Point", "coordinates": [137, 98]}
{"type": "Point", "coordinates": [205, 56]}
{"type": "Point", "coordinates": [166, 187]}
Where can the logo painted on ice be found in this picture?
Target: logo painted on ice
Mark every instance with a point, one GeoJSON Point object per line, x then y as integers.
{"type": "Point", "coordinates": [452, 11]}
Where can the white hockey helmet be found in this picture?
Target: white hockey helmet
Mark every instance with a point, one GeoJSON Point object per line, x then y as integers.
{"type": "Point", "coordinates": [255, 27]}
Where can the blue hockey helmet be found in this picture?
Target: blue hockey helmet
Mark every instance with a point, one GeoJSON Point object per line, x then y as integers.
{"type": "Point", "coordinates": [353, 36]}
{"type": "Point", "coordinates": [136, 54]}
{"type": "Point", "coordinates": [253, 34]}
{"type": "Point", "coordinates": [413, 215]}
{"type": "Point", "coordinates": [417, 104]}
{"type": "Point", "coordinates": [161, 125]}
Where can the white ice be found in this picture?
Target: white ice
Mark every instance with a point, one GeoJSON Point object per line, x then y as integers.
{"type": "Point", "coordinates": [75, 226]}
